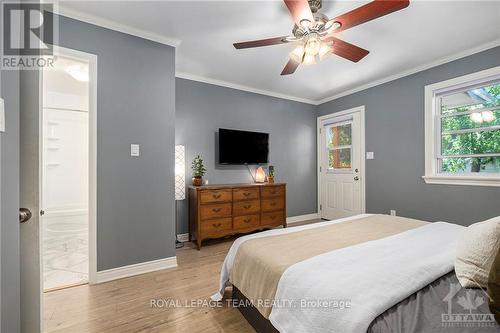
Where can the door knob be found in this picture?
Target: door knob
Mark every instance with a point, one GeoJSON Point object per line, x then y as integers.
{"type": "Point", "coordinates": [24, 215]}
{"type": "Point", "coordinates": [356, 178]}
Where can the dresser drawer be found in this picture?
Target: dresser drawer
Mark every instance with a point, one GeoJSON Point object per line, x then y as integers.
{"type": "Point", "coordinates": [211, 196]}
{"type": "Point", "coordinates": [215, 210]}
{"type": "Point", "coordinates": [246, 207]}
{"type": "Point", "coordinates": [272, 219]}
{"type": "Point", "coordinates": [245, 194]}
{"type": "Point", "coordinates": [273, 204]}
{"type": "Point", "coordinates": [217, 227]}
{"type": "Point", "coordinates": [246, 222]}
{"type": "Point", "coordinates": [273, 191]}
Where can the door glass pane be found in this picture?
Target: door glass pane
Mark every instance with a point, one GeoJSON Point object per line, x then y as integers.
{"type": "Point", "coordinates": [339, 158]}
{"type": "Point", "coordinates": [339, 135]}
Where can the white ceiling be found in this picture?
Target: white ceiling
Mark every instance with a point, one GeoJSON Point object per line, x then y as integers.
{"type": "Point", "coordinates": [426, 32]}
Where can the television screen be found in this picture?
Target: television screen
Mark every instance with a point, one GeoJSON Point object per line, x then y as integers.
{"type": "Point", "coordinates": [242, 147]}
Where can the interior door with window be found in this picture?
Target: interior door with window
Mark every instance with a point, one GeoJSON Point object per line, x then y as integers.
{"type": "Point", "coordinates": [340, 156]}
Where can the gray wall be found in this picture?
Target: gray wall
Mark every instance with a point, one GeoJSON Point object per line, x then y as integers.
{"type": "Point", "coordinates": [9, 205]}
{"type": "Point", "coordinates": [135, 104]}
{"type": "Point", "coordinates": [201, 109]}
{"type": "Point", "coordinates": [395, 132]}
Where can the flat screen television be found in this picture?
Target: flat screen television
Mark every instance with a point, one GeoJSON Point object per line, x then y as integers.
{"type": "Point", "coordinates": [243, 147]}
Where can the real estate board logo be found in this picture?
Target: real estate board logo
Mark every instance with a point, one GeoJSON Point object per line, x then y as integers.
{"type": "Point", "coordinates": [25, 30]}
{"type": "Point", "coordinates": [467, 308]}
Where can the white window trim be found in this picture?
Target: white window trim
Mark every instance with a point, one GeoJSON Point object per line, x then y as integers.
{"type": "Point", "coordinates": [432, 135]}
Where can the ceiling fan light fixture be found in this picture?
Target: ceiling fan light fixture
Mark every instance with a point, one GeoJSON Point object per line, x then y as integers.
{"type": "Point", "coordinates": [324, 50]}
{"type": "Point", "coordinates": [309, 59]}
{"type": "Point", "coordinates": [313, 45]}
{"type": "Point", "coordinates": [298, 53]}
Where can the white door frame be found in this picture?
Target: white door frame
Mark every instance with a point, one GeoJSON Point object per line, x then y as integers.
{"type": "Point", "coordinates": [92, 60]}
{"type": "Point", "coordinates": [361, 111]}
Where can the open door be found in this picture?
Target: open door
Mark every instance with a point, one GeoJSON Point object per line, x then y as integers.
{"type": "Point", "coordinates": [31, 288]}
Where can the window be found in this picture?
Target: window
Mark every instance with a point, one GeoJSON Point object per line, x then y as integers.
{"type": "Point", "coordinates": [339, 145]}
{"type": "Point", "coordinates": [463, 130]}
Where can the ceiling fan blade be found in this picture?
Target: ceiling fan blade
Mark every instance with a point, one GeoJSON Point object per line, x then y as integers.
{"type": "Point", "coordinates": [347, 50]}
{"type": "Point", "coordinates": [300, 10]}
{"type": "Point", "coordinates": [261, 42]}
{"type": "Point", "coordinates": [290, 67]}
{"type": "Point", "coordinates": [368, 12]}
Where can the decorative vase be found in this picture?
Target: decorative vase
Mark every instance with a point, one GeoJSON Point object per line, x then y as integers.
{"type": "Point", "coordinates": [197, 181]}
{"type": "Point", "coordinates": [270, 179]}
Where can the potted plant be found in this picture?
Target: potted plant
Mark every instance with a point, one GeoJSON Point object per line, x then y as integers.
{"type": "Point", "coordinates": [270, 178]}
{"type": "Point", "coordinates": [199, 170]}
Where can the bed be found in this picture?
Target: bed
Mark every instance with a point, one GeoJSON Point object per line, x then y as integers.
{"type": "Point", "coordinates": [364, 273]}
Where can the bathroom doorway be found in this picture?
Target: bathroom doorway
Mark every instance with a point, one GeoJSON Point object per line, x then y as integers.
{"type": "Point", "coordinates": [67, 171]}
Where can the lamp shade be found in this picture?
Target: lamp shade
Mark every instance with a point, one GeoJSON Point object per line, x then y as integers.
{"type": "Point", "coordinates": [180, 172]}
{"type": "Point", "coordinates": [260, 175]}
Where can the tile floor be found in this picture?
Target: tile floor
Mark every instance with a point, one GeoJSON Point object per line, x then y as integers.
{"type": "Point", "coordinates": [65, 250]}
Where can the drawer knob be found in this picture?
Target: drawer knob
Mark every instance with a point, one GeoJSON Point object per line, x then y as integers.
{"type": "Point", "coordinates": [247, 206]}
{"type": "Point", "coordinates": [246, 194]}
{"type": "Point", "coordinates": [215, 210]}
{"type": "Point", "coordinates": [217, 225]}
{"type": "Point", "coordinates": [216, 196]}
{"type": "Point", "coordinates": [247, 220]}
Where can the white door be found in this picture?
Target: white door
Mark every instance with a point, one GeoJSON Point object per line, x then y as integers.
{"type": "Point", "coordinates": [341, 163]}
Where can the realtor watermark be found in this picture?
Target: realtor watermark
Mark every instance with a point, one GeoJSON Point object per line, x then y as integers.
{"type": "Point", "coordinates": [28, 33]}
{"type": "Point", "coordinates": [324, 304]}
{"type": "Point", "coordinates": [467, 308]}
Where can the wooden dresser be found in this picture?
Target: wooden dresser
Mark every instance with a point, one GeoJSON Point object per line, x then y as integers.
{"type": "Point", "coordinates": [222, 210]}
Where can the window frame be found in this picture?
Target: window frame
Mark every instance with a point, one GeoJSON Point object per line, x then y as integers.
{"type": "Point", "coordinates": [433, 131]}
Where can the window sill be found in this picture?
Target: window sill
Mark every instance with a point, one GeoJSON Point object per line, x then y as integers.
{"type": "Point", "coordinates": [462, 180]}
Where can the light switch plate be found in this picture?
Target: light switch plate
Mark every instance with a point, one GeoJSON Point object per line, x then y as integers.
{"type": "Point", "coordinates": [370, 155]}
{"type": "Point", "coordinates": [134, 150]}
{"type": "Point", "coordinates": [2, 115]}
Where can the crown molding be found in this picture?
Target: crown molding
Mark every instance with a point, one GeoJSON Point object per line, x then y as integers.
{"type": "Point", "coordinates": [226, 84]}
{"type": "Point", "coordinates": [63, 10]}
{"type": "Point", "coordinates": [414, 70]}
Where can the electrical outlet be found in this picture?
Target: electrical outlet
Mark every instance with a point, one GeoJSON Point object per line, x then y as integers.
{"type": "Point", "coordinates": [393, 212]}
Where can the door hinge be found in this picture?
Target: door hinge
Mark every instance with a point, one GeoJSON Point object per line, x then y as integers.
{"type": "Point", "coordinates": [320, 207]}
{"type": "Point", "coordinates": [320, 169]}
{"type": "Point", "coordinates": [320, 131]}
{"type": "Point", "coordinates": [42, 213]}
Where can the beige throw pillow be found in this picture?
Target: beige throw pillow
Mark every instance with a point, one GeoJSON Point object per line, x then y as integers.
{"type": "Point", "coordinates": [476, 252]}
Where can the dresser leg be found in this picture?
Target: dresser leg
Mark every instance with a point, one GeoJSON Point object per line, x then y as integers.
{"type": "Point", "coordinates": [198, 242]}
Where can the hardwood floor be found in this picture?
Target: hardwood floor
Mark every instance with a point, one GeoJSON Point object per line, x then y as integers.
{"type": "Point", "coordinates": [124, 305]}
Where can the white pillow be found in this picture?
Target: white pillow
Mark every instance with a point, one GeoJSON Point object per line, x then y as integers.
{"type": "Point", "coordinates": [476, 252]}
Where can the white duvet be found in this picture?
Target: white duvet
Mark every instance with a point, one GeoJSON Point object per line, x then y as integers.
{"type": "Point", "coordinates": [372, 276]}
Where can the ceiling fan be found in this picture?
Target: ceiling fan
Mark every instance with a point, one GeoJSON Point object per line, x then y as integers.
{"type": "Point", "coordinates": [314, 33]}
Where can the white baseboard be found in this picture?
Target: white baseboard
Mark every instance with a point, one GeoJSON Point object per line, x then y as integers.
{"type": "Point", "coordinates": [183, 238]}
{"type": "Point", "coordinates": [135, 269]}
{"type": "Point", "coordinates": [301, 218]}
